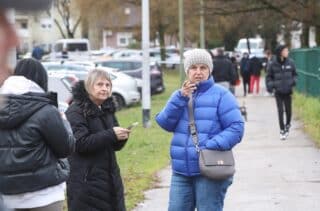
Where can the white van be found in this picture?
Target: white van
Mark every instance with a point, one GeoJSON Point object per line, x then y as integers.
{"type": "Point", "coordinates": [256, 47]}
{"type": "Point", "coordinates": [77, 49]}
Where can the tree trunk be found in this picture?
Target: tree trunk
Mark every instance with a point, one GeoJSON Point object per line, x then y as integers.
{"type": "Point", "coordinates": [85, 28]}
{"type": "Point", "coordinates": [248, 45]}
{"type": "Point", "coordinates": [305, 36]}
{"type": "Point", "coordinates": [318, 35]}
{"type": "Point", "coordinates": [162, 43]}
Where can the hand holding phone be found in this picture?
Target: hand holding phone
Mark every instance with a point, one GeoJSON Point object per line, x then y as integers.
{"type": "Point", "coordinates": [188, 87]}
{"type": "Point", "coordinates": [133, 125]}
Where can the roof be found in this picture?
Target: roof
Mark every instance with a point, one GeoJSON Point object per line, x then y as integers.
{"type": "Point", "coordinates": [26, 5]}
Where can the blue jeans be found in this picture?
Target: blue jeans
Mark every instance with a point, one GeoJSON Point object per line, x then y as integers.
{"type": "Point", "coordinates": [188, 193]}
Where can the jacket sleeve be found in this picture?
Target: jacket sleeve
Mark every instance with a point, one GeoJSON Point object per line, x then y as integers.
{"type": "Point", "coordinates": [269, 78]}
{"type": "Point", "coordinates": [171, 113]}
{"type": "Point", "coordinates": [232, 124]}
{"type": "Point", "coordinates": [294, 74]}
{"type": "Point", "coordinates": [118, 145]}
{"type": "Point", "coordinates": [86, 141]}
{"type": "Point", "coordinates": [57, 133]}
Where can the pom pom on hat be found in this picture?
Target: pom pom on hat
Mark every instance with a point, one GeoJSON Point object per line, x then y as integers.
{"type": "Point", "coordinates": [197, 56]}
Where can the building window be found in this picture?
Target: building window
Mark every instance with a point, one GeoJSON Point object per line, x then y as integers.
{"type": "Point", "coordinates": [24, 25]}
{"type": "Point", "coordinates": [124, 39]}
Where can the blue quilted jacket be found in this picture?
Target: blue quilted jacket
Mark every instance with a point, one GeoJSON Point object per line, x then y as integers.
{"type": "Point", "coordinates": [218, 121]}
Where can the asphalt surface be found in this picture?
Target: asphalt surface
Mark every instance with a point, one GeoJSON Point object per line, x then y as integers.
{"type": "Point", "coordinates": [272, 175]}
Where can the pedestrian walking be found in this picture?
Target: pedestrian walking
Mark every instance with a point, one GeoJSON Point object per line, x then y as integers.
{"type": "Point", "coordinates": [223, 72]}
{"type": "Point", "coordinates": [281, 78]}
{"type": "Point", "coordinates": [219, 126]}
{"type": "Point", "coordinates": [37, 53]}
{"type": "Point", "coordinates": [35, 138]}
{"type": "Point", "coordinates": [245, 73]}
{"type": "Point", "coordinates": [95, 183]}
{"type": "Point", "coordinates": [255, 67]}
{"type": "Point", "coordinates": [236, 73]}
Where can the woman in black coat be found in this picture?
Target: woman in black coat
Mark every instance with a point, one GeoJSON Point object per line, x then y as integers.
{"type": "Point", "coordinates": [95, 183]}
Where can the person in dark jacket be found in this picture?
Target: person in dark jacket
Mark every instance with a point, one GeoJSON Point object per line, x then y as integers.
{"type": "Point", "coordinates": [281, 78]}
{"type": "Point", "coordinates": [219, 124]}
{"type": "Point", "coordinates": [37, 53]}
{"type": "Point", "coordinates": [255, 67]}
{"type": "Point", "coordinates": [245, 73]}
{"type": "Point", "coordinates": [235, 69]}
{"type": "Point", "coordinates": [34, 140]}
{"type": "Point", "coordinates": [223, 71]}
{"type": "Point", "coordinates": [95, 183]}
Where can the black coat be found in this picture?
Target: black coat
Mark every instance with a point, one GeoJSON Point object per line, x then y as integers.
{"type": "Point", "coordinates": [95, 183]}
{"type": "Point", "coordinates": [33, 139]}
{"type": "Point", "coordinates": [255, 66]}
{"type": "Point", "coordinates": [281, 76]}
{"type": "Point", "coordinates": [223, 70]}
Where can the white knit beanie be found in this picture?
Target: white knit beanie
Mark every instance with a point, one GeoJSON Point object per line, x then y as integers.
{"type": "Point", "coordinates": [197, 56]}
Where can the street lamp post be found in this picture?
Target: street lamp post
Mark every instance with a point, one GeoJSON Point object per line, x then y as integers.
{"type": "Point", "coordinates": [146, 99]}
{"type": "Point", "coordinates": [13, 52]}
{"type": "Point", "coordinates": [181, 38]}
{"type": "Point", "coordinates": [202, 32]}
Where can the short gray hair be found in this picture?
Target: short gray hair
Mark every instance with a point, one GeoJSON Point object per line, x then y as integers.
{"type": "Point", "coordinates": [93, 76]}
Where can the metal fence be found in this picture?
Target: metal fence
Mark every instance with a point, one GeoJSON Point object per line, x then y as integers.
{"type": "Point", "coordinates": [307, 62]}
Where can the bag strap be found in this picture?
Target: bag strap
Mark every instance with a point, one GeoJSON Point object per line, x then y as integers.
{"type": "Point", "coordinates": [192, 124]}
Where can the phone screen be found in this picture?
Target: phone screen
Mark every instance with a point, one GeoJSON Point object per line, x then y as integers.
{"type": "Point", "coordinates": [133, 125]}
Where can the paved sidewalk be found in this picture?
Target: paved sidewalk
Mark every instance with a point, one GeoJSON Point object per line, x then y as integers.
{"type": "Point", "coordinates": [272, 175]}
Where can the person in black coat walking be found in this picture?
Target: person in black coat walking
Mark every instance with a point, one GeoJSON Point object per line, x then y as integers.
{"type": "Point", "coordinates": [281, 78]}
{"type": "Point", "coordinates": [95, 183]}
{"type": "Point", "coordinates": [223, 71]}
{"type": "Point", "coordinates": [245, 73]}
{"type": "Point", "coordinates": [255, 67]}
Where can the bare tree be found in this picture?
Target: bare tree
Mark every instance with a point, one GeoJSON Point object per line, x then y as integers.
{"type": "Point", "coordinates": [64, 23]}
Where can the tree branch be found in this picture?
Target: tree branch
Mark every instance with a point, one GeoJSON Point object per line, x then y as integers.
{"type": "Point", "coordinates": [60, 28]}
{"type": "Point", "coordinates": [287, 15]}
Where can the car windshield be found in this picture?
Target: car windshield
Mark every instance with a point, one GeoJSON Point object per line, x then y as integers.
{"type": "Point", "coordinates": [57, 67]}
{"type": "Point", "coordinates": [243, 45]}
{"type": "Point", "coordinates": [122, 65]}
{"type": "Point", "coordinates": [77, 47]}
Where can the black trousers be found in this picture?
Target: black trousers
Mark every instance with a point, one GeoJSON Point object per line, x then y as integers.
{"type": "Point", "coordinates": [284, 104]}
{"type": "Point", "coordinates": [246, 84]}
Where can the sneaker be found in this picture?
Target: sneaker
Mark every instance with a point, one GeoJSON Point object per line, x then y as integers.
{"type": "Point", "coordinates": [287, 129]}
{"type": "Point", "coordinates": [282, 135]}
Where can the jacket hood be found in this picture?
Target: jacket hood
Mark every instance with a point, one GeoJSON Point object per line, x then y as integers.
{"type": "Point", "coordinates": [22, 98]}
{"type": "Point", "coordinates": [81, 97]}
{"type": "Point", "coordinates": [16, 109]}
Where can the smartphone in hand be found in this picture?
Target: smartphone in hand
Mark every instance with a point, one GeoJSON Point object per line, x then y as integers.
{"type": "Point", "coordinates": [133, 125]}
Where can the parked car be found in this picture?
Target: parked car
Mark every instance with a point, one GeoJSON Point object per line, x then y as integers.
{"type": "Point", "coordinates": [256, 47]}
{"type": "Point", "coordinates": [71, 49]}
{"type": "Point", "coordinates": [133, 67]}
{"type": "Point", "coordinates": [172, 59]}
{"type": "Point", "coordinates": [124, 90]}
{"type": "Point", "coordinates": [63, 68]}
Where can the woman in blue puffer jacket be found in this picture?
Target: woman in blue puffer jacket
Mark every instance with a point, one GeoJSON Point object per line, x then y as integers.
{"type": "Point", "coordinates": [220, 126]}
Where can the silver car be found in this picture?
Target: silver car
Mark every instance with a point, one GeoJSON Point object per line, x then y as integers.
{"type": "Point", "coordinates": [124, 88]}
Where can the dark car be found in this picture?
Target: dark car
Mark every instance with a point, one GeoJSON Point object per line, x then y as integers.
{"type": "Point", "coordinates": [133, 67]}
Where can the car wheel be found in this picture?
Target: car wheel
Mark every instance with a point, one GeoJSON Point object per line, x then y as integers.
{"type": "Point", "coordinates": [118, 101]}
